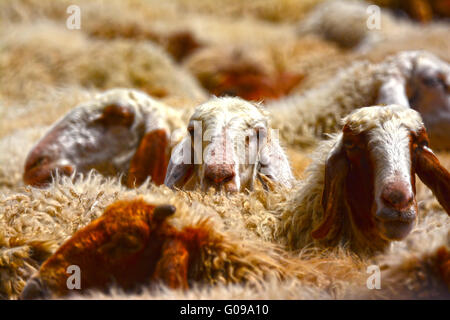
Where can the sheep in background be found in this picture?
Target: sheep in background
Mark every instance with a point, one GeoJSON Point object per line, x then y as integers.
{"type": "Point", "coordinates": [326, 19]}
{"type": "Point", "coordinates": [121, 131]}
{"type": "Point", "coordinates": [417, 79]}
{"type": "Point", "coordinates": [29, 68]}
{"type": "Point", "coordinates": [360, 190]}
{"type": "Point", "coordinates": [237, 148]}
{"type": "Point", "coordinates": [421, 10]}
{"type": "Point", "coordinates": [245, 72]}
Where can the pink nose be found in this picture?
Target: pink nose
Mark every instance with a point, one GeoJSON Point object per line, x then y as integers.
{"type": "Point", "coordinates": [219, 173]}
{"type": "Point", "coordinates": [398, 195]}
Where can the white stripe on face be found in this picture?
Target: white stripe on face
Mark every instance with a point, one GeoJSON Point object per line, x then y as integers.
{"type": "Point", "coordinates": [389, 147]}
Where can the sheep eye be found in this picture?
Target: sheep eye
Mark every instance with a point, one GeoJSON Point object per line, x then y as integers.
{"type": "Point", "coordinates": [349, 144]}
{"type": "Point", "coordinates": [423, 143]}
{"type": "Point", "coordinates": [432, 82]}
{"type": "Point", "coordinates": [261, 133]}
{"type": "Point", "coordinates": [39, 161]}
{"type": "Point", "coordinates": [191, 130]}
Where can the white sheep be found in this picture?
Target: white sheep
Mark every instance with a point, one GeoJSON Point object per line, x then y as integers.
{"type": "Point", "coordinates": [120, 131]}
{"type": "Point", "coordinates": [413, 78]}
{"type": "Point", "coordinates": [229, 146]}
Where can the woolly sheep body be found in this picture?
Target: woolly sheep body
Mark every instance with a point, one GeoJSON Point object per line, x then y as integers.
{"type": "Point", "coordinates": [304, 119]}
{"type": "Point", "coordinates": [29, 227]}
{"type": "Point", "coordinates": [150, 69]}
{"type": "Point", "coordinates": [326, 19]}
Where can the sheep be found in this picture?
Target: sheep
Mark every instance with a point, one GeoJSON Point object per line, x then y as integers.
{"type": "Point", "coordinates": [325, 20]}
{"type": "Point", "coordinates": [421, 10]}
{"type": "Point", "coordinates": [413, 78]}
{"type": "Point", "coordinates": [121, 131]}
{"type": "Point", "coordinates": [237, 147]}
{"type": "Point", "coordinates": [29, 68]}
{"type": "Point", "coordinates": [134, 234]}
{"type": "Point", "coordinates": [359, 191]}
{"type": "Point", "coordinates": [236, 72]}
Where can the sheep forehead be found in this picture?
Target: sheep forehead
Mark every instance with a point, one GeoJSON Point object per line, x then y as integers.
{"type": "Point", "coordinates": [229, 112]}
{"type": "Point", "coordinates": [389, 142]}
{"type": "Point", "coordinates": [369, 118]}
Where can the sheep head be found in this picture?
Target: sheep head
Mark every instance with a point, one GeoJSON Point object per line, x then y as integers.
{"type": "Point", "coordinates": [228, 146]}
{"type": "Point", "coordinates": [421, 81]}
{"type": "Point", "coordinates": [370, 174]}
{"type": "Point", "coordinates": [118, 132]}
{"type": "Point", "coordinates": [131, 244]}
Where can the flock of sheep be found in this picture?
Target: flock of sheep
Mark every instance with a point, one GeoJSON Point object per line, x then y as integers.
{"type": "Point", "coordinates": [116, 159]}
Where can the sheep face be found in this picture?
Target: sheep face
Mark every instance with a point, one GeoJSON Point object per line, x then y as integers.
{"type": "Point", "coordinates": [228, 147]}
{"type": "Point", "coordinates": [371, 172]}
{"type": "Point", "coordinates": [423, 83]}
{"type": "Point", "coordinates": [109, 134]}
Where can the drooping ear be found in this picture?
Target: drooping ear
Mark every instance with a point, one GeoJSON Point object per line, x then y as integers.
{"type": "Point", "coordinates": [434, 175]}
{"type": "Point", "coordinates": [393, 91]}
{"type": "Point", "coordinates": [181, 166]}
{"type": "Point", "coordinates": [273, 162]}
{"type": "Point", "coordinates": [336, 170]}
{"type": "Point", "coordinates": [163, 211]}
{"type": "Point", "coordinates": [151, 159]}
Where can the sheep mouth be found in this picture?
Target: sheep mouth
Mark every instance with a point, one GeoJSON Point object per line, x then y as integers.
{"type": "Point", "coordinates": [396, 229]}
{"type": "Point", "coordinates": [42, 176]}
{"type": "Point", "coordinates": [35, 289]}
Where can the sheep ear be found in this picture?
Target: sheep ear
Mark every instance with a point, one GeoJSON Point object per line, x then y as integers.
{"type": "Point", "coordinates": [336, 169]}
{"type": "Point", "coordinates": [151, 159]}
{"type": "Point", "coordinates": [274, 164]}
{"type": "Point", "coordinates": [434, 175]}
{"type": "Point", "coordinates": [181, 166]}
{"type": "Point", "coordinates": [393, 91]}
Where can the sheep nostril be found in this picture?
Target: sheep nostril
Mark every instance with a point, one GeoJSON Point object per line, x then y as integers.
{"type": "Point", "coordinates": [218, 174]}
{"type": "Point", "coordinates": [398, 197]}
{"type": "Point", "coordinates": [33, 290]}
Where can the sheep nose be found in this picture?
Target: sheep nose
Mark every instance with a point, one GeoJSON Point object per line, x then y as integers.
{"type": "Point", "coordinates": [397, 195]}
{"type": "Point", "coordinates": [219, 173]}
{"type": "Point", "coordinates": [34, 289]}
